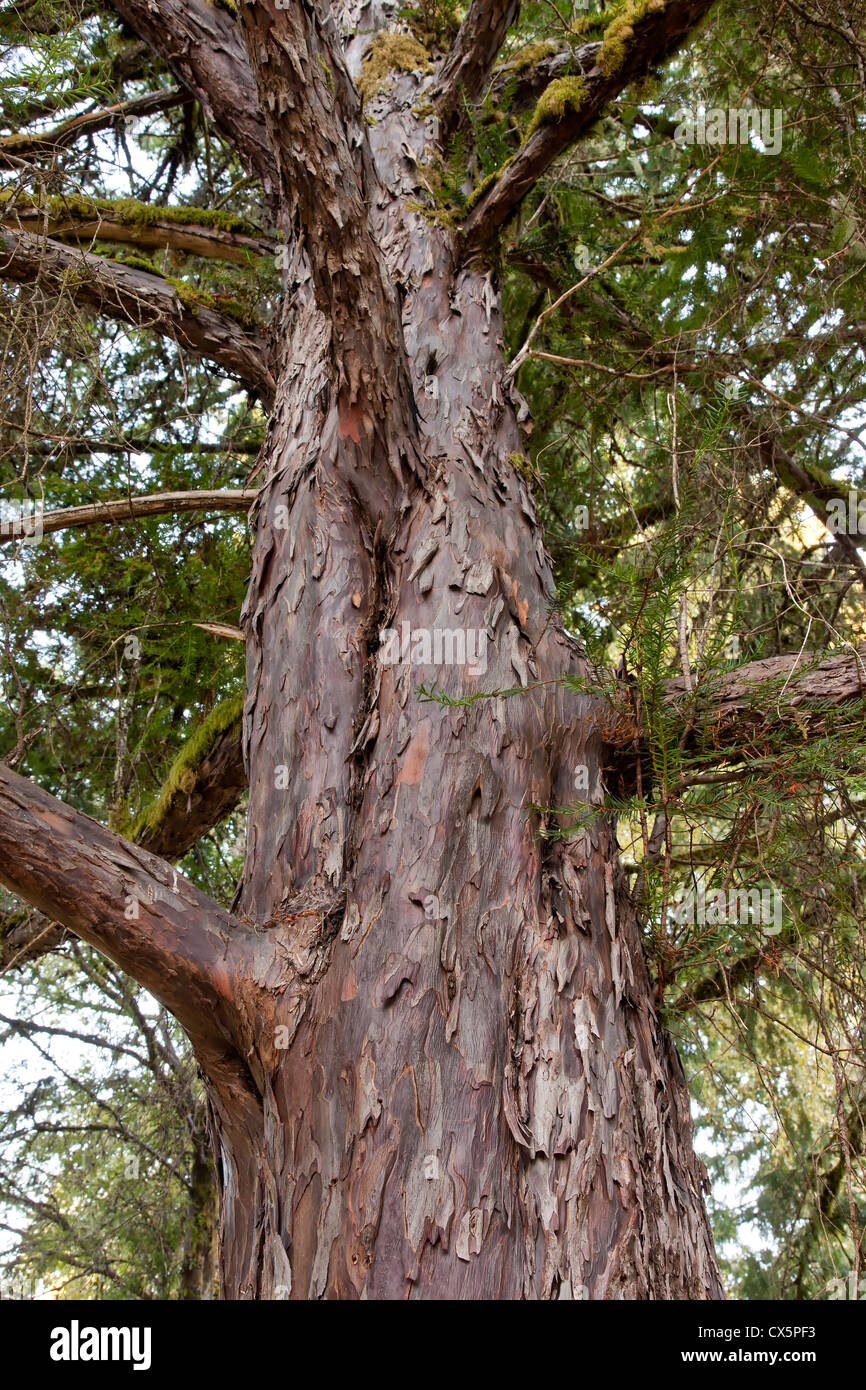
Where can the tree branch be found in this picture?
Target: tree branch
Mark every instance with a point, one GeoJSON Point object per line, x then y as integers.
{"type": "Point", "coordinates": [769, 692]}
{"type": "Point", "coordinates": [208, 791]}
{"type": "Point", "coordinates": [130, 905]}
{"type": "Point", "coordinates": [728, 713]}
{"type": "Point", "coordinates": [14, 148]}
{"type": "Point", "coordinates": [142, 224]}
{"type": "Point", "coordinates": [139, 298]}
{"type": "Point", "coordinates": [472, 55]}
{"type": "Point", "coordinates": [638, 38]}
{"type": "Point", "coordinates": [524, 83]}
{"type": "Point", "coordinates": [129, 508]}
{"type": "Point", "coordinates": [203, 47]}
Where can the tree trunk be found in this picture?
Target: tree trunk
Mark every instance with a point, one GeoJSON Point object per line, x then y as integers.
{"type": "Point", "coordinates": [463, 1090]}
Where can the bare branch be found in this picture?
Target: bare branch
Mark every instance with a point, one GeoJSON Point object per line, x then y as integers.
{"type": "Point", "coordinates": [129, 508]}
{"type": "Point", "coordinates": [771, 691]}
{"type": "Point", "coordinates": [14, 148]}
{"type": "Point", "coordinates": [211, 789]}
{"type": "Point", "coordinates": [137, 297]}
{"type": "Point", "coordinates": [727, 714]}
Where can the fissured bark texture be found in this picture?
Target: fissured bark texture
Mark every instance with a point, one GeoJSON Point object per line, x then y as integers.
{"type": "Point", "coordinates": [458, 1087]}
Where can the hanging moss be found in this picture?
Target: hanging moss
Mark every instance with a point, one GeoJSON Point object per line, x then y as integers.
{"type": "Point", "coordinates": [390, 53]}
{"type": "Point", "coordinates": [564, 95]}
{"type": "Point", "coordinates": [183, 773]}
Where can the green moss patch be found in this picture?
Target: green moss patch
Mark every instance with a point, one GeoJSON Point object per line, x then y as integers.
{"type": "Point", "coordinates": [564, 95]}
{"type": "Point", "coordinates": [183, 773]}
{"type": "Point", "coordinates": [615, 39]}
{"type": "Point", "coordinates": [390, 53]}
{"type": "Point", "coordinates": [131, 213]}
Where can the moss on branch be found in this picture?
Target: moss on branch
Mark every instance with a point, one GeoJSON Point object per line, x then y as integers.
{"type": "Point", "coordinates": [183, 773]}
{"type": "Point", "coordinates": [131, 213]}
{"type": "Point", "coordinates": [558, 98]}
{"type": "Point", "coordinates": [620, 30]}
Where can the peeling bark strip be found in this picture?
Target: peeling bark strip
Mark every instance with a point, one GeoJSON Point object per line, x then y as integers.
{"type": "Point", "coordinates": [432, 1059]}
{"type": "Point", "coordinates": [136, 297]}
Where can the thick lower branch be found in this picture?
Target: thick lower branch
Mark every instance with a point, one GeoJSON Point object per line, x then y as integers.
{"type": "Point", "coordinates": [135, 908]}
{"type": "Point", "coordinates": [193, 802]}
{"type": "Point", "coordinates": [139, 298]}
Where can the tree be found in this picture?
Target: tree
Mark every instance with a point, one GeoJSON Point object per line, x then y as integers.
{"type": "Point", "coordinates": [105, 1152]}
{"type": "Point", "coordinates": [432, 1050]}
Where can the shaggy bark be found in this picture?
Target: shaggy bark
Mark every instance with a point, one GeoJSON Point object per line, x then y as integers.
{"type": "Point", "coordinates": [432, 1058]}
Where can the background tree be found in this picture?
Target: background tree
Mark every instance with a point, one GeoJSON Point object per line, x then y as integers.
{"type": "Point", "coordinates": [108, 1184]}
